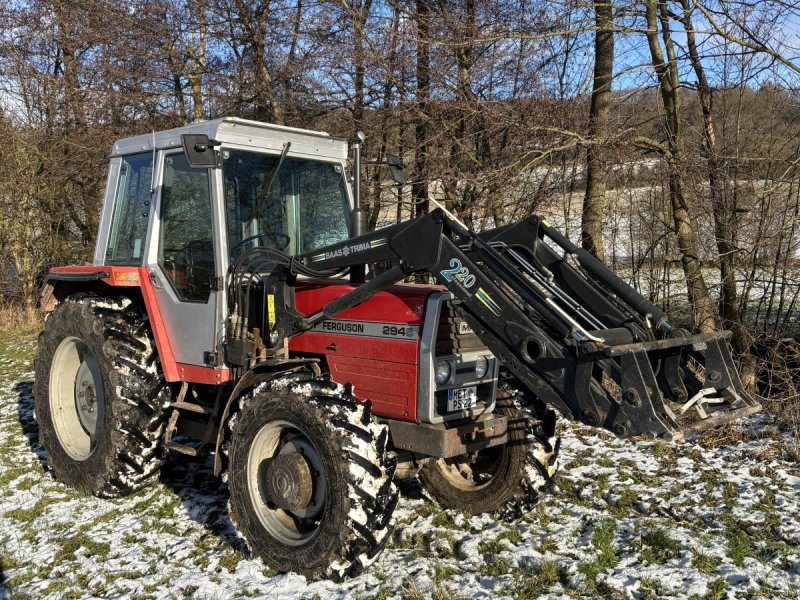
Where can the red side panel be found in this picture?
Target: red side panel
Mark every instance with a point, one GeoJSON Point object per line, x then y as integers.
{"type": "Point", "coordinates": [401, 303]}
{"type": "Point", "coordinates": [380, 369]}
{"type": "Point", "coordinates": [392, 386]}
{"type": "Point", "coordinates": [159, 330]}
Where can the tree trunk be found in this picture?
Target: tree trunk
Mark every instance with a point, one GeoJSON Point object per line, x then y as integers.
{"type": "Point", "coordinates": [198, 69]}
{"type": "Point", "coordinates": [667, 71]}
{"type": "Point", "coordinates": [75, 111]}
{"type": "Point", "coordinates": [723, 215]}
{"type": "Point", "coordinates": [359, 11]}
{"type": "Point", "coordinates": [419, 186]}
{"type": "Point", "coordinates": [596, 165]}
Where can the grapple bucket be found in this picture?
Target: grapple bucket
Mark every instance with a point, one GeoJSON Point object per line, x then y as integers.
{"type": "Point", "coordinates": [674, 387]}
{"type": "Point", "coordinates": [622, 365]}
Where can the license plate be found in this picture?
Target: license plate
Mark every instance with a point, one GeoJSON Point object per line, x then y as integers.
{"type": "Point", "coordinates": [461, 398]}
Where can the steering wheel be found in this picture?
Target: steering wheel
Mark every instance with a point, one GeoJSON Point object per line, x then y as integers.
{"type": "Point", "coordinates": [281, 241]}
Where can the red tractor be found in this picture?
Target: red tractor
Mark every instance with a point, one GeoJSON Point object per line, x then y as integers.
{"type": "Point", "coordinates": [236, 306]}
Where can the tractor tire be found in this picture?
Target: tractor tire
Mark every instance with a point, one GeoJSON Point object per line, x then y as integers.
{"type": "Point", "coordinates": [310, 481]}
{"type": "Point", "coordinates": [100, 396]}
{"type": "Point", "coordinates": [508, 479]}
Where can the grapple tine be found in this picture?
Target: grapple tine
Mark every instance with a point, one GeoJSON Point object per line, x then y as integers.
{"type": "Point", "coordinates": [719, 418]}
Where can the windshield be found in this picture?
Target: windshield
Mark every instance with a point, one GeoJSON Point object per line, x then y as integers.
{"type": "Point", "coordinates": [305, 207]}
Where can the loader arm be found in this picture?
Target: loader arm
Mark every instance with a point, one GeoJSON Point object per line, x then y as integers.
{"type": "Point", "coordinates": [574, 334]}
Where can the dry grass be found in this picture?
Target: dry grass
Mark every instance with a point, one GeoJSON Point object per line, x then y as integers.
{"type": "Point", "coordinates": [778, 366]}
{"type": "Point", "coordinates": [20, 320]}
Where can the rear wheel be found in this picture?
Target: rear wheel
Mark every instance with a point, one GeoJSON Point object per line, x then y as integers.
{"type": "Point", "coordinates": [311, 486]}
{"type": "Point", "coordinates": [506, 479]}
{"type": "Point", "coordinates": [100, 397]}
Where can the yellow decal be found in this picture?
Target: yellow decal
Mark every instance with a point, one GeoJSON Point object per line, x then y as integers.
{"type": "Point", "coordinates": [487, 301]}
{"type": "Point", "coordinates": [271, 310]}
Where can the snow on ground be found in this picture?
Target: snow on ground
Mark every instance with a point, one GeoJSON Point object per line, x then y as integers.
{"type": "Point", "coordinates": [629, 520]}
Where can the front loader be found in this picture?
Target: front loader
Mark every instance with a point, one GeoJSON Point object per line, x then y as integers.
{"type": "Point", "coordinates": [236, 308]}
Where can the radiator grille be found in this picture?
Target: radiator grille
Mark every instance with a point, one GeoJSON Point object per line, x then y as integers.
{"type": "Point", "coordinates": [454, 335]}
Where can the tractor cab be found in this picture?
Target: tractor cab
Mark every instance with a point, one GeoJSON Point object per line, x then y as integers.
{"type": "Point", "coordinates": [260, 186]}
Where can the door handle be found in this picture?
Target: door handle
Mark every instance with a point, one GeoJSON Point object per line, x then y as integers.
{"type": "Point", "coordinates": [155, 280]}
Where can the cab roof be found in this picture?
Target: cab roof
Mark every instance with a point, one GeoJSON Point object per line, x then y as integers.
{"type": "Point", "coordinates": [233, 131]}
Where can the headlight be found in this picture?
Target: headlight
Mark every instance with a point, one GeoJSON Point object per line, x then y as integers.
{"type": "Point", "coordinates": [442, 372]}
{"type": "Point", "coordinates": [481, 366]}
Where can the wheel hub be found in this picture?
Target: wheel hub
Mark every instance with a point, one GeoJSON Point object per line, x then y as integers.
{"type": "Point", "coordinates": [289, 483]}
{"type": "Point", "coordinates": [86, 398]}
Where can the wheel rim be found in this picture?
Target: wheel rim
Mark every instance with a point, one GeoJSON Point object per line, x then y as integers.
{"type": "Point", "coordinates": [282, 441]}
{"type": "Point", "coordinates": [77, 398]}
{"type": "Point", "coordinates": [477, 475]}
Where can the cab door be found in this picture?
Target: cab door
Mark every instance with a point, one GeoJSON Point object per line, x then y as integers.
{"type": "Point", "coordinates": [181, 258]}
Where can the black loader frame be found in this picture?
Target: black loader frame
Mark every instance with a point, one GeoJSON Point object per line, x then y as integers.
{"type": "Point", "coordinates": [573, 333]}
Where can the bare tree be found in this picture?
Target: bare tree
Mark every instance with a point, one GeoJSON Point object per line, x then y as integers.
{"type": "Point", "coordinates": [419, 187]}
{"type": "Point", "coordinates": [599, 115]}
{"type": "Point", "coordinates": [666, 69]}
{"type": "Point", "coordinates": [723, 213]}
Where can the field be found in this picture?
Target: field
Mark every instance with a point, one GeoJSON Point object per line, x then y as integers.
{"type": "Point", "coordinates": [628, 520]}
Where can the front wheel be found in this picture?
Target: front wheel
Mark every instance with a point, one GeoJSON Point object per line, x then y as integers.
{"type": "Point", "coordinates": [506, 479]}
{"type": "Point", "coordinates": [311, 486]}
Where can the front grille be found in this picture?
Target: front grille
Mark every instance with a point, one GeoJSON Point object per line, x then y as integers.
{"type": "Point", "coordinates": [445, 336]}
{"type": "Point", "coordinates": [454, 335]}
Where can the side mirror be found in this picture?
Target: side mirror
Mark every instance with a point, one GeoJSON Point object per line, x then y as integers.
{"type": "Point", "coordinates": [199, 150]}
{"type": "Point", "coordinates": [396, 169]}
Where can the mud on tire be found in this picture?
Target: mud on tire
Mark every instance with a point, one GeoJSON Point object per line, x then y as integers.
{"type": "Point", "coordinates": [98, 353]}
{"type": "Point", "coordinates": [509, 479]}
{"type": "Point", "coordinates": [342, 522]}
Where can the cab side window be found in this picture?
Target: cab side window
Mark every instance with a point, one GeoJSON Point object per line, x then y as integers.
{"type": "Point", "coordinates": [186, 248]}
{"type": "Point", "coordinates": [131, 210]}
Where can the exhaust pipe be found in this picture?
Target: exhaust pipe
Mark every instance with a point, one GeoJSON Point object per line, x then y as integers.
{"type": "Point", "coordinates": [358, 218]}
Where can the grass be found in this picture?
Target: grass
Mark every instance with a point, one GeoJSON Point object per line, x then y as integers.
{"type": "Point", "coordinates": [430, 529]}
{"type": "Point", "coordinates": [705, 563]}
{"type": "Point", "coordinates": [652, 588]}
{"type": "Point", "coordinates": [627, 497]}
{"type": "Point", "coordinates": [443, 573]}
{"type": "Point", "coordinates": [603, 541]}
{"type": "Point", "coordinates": [739, 542]}
{"type": "Point", "coordinates": [658, 547]}
{"type": "Point", "coordinates": [665, 452]}
{"type": "Point", "coordinates": [26, 515]}
{"type": "Point", "coordinates": [496, 567]}
{"type": "Point", "coordinates": [717, 589]}
{"type": "Point", "coordinates": [71, 545]}
{"type": "Point", "coordinates": [533, 583]}
{"type": "Point", "coordinates": [496, 545]}
{"type": "Point", "coordinates": [19, 322]}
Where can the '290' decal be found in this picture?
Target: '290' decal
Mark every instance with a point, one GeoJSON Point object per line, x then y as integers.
{"type": "Point", "coordinates": [458, 273]}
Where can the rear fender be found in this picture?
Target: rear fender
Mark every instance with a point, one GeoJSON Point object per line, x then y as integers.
{"type": "Point", "coordinates": [65, 281]}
